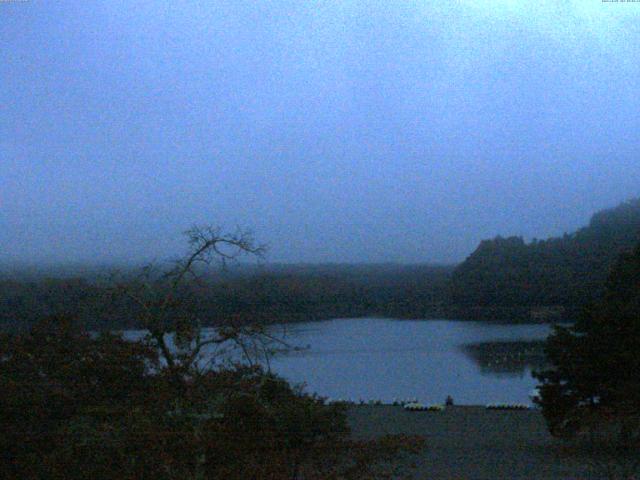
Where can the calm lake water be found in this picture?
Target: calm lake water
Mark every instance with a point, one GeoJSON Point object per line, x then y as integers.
{"type": "Point", "coordinates": [373, 358]}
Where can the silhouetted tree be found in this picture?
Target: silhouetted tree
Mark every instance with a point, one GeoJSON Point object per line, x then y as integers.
{"type": "Point", "coordinates": [594, 382]}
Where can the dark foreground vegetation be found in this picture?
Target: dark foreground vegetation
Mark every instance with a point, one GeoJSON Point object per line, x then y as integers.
{"type": "Point", "coordinates": [74, 405]}
{"type": "Point", "coordinates": [593, 385]}
{"type": "Point", "coordinates": [505, 279]}
{"type": "Point", "coordinates": [78, 407]}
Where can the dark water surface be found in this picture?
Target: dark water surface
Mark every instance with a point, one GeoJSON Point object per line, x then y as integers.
{"type": "Point", "coordinates": [385, 359]}
{"type": "Point", "coordinates": [373, 358]}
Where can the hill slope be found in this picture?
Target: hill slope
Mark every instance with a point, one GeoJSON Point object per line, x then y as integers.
{"type": "Point", "coordinates": [567, 271]}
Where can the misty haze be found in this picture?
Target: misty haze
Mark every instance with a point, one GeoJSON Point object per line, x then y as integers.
{"type": "Point", "coordinates": [329, 239]}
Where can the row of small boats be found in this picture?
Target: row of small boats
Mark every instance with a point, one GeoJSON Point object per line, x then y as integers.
{"type": "Point", "coordinates": [413, 405]}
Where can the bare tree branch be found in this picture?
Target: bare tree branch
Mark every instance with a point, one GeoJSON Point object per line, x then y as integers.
{"type": "Point", "coordinates": [158, 296]}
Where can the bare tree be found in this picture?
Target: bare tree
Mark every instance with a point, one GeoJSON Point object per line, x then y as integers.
{"type": "Point", "coordinates": [161, 299]}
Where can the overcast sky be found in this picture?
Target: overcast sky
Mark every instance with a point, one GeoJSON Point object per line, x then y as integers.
{"type": "Point", "coordinates": [339, 131]}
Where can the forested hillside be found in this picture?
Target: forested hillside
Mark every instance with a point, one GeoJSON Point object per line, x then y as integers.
{"type": "Point", "coordinates": [279, 293]}
{"type": "Point", "coordinates": [567, 271]}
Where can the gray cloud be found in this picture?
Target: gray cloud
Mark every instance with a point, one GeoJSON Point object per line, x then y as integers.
{"type": "Point", "coordinates": [337, 130]}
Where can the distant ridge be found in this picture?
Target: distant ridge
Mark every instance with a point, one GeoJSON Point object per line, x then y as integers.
{"type": "Point", "coordinates": [566, 272]}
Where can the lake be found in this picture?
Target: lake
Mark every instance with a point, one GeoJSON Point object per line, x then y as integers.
{"type": "Point", "coordinates": [374, 358]}
{"type": "Point", "coordinates": [385, 359]}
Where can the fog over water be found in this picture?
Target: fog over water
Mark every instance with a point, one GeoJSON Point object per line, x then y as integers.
{"type": "Point", "coordinates": [339, 131]}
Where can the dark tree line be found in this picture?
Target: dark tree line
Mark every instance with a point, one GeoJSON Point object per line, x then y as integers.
{"type": "Point", "coordinates": [568, 271]}
{"type": "Point", "coordinates": [280, 295]}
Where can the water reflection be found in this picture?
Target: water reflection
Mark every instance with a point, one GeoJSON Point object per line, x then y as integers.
{"type": "Point", "coordinates": [509, 359]}
{"type": "Point", "coordinates": [373, 358]}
